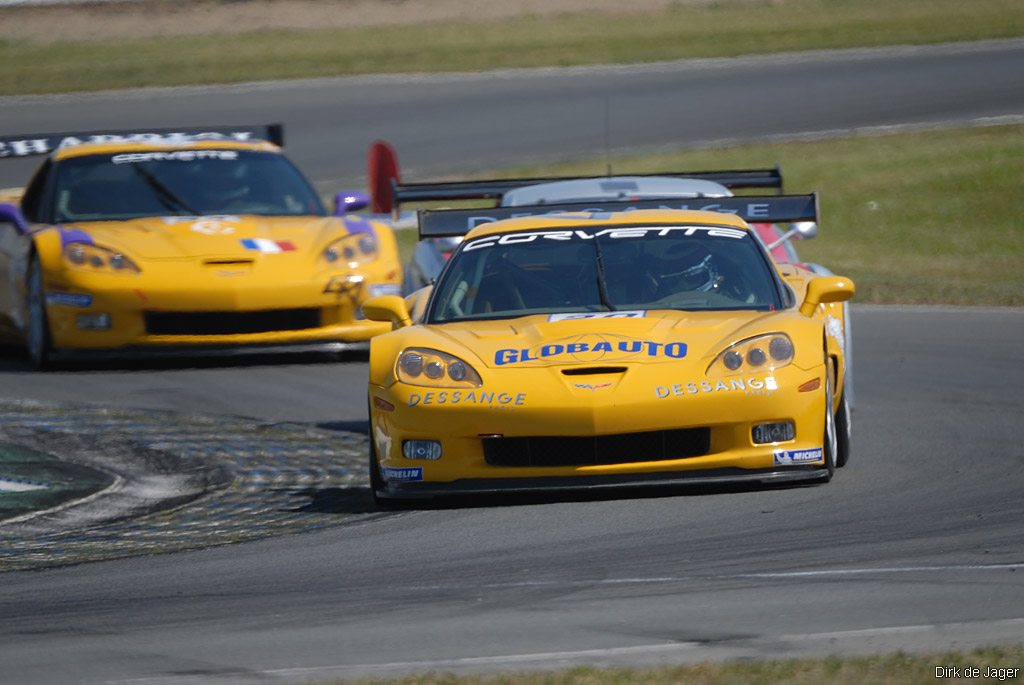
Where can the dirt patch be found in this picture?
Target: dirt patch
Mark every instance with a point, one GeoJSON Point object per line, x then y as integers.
{"type": "Point", "coordinates": [154, 18]}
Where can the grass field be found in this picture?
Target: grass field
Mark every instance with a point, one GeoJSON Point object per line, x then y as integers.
{"type": "Point", "coordinates": [888, 669]}
{"type": "Point", "coordinates": [931, 217]}
{"type": "Point", "coordinates": [31, 64]}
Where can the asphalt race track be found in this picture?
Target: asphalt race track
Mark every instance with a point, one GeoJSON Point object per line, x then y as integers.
{"type": "Point", "coordinates": [915, 545]}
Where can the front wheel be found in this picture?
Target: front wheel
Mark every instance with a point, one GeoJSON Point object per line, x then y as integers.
{"type": "Point", "coordinates": [843, 432]}
{"type": "Point", "coordinates": [831, 446]}
{"type": "Point", "coordinates": [38, 328]}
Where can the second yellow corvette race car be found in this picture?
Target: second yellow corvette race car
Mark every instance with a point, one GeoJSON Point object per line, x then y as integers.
{"type": "Point", "coordinates": [587, 347]}
{"type": "Point", "coordinates": [209, 239]}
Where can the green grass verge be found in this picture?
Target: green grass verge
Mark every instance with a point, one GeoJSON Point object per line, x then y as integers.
{"type": "Point", "coordinates": [930, 217]}
{"type": "Point", "coordinates": [889, 669]}
{"type": "Point", "coordinates": [713, 30]}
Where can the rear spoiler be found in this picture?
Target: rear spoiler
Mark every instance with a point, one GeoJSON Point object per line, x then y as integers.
{"type": "Point", "coordinates": [437, 223]}
{"type": "Point", "coordinates": [389, 192]}
{"type": "Point", "coordinates": [43, 143]}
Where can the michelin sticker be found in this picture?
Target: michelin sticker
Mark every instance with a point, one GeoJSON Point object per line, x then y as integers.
{"type": "Point", "coordinates": [406, 475]}
{"type": "Point", "coordinates": [796, 457]}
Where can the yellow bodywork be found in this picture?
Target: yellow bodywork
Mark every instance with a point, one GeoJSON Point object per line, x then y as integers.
{"type": "Point", "coordinates": [231, 279]}
{"type": "Point", "coordinates": [630, 381]}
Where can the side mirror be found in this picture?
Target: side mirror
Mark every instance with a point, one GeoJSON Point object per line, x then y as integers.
{"type": "Point", "coordinates": [805, 230]}
{"type": "Point", "coordinates": [387, 308]}
{"type": "Point", "coordinates": [824, 290]}
{"type": "Point", "coordinates": [350, 201]}
{"type": "Point", "coordinates": [12, 214]}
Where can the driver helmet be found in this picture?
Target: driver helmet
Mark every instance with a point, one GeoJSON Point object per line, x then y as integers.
{"type": "Point", "coordinates": [691, 268]}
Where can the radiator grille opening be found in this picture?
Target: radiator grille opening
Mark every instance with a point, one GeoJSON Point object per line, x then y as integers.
{"type": "Point", "coordinates": [623, 448]}
{"type": "Point", "coordinates": [231, 323]}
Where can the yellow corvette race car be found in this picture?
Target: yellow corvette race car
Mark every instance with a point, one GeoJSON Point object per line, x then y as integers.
{"type": "Point", "coordinates": [588, 347]}
{"type": "Point", "coordinates": [206, 239]}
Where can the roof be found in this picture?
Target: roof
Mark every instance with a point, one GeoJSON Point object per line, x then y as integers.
{"type": "Point", "coordinates": [613, 188]}
{"type": "Point", "coordinates": [632, 217]}
{"type": "Point", "coordinates": [184, 143]}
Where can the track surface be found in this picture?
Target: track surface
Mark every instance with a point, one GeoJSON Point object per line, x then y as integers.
{"type": "Point", "coordinates": [916, 544]}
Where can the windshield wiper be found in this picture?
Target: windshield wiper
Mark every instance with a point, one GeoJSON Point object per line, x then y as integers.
{"type": "Point", "coordinates": [602, 286]}
{"type": "Point", "coordinates": [166, 196]}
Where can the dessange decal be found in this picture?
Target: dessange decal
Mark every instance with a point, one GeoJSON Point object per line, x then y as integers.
{"type": "Point", "coordinates": [589, 348]}
{"type": "Point", "coordinates": [750, 386]}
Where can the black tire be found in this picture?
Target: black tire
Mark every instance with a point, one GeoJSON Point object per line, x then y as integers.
{"type": "Point", "coordinates": [843, 432]}
{"type": "Point", "coordinates": [373, 466]}
{"type": "Point", "coordinates": [831, 439]}
{"type": "Point", "coordinates": [37, 328]}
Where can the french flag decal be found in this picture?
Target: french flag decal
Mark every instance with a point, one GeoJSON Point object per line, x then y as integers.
{"type": "Point", "coordinates": [266, 245]}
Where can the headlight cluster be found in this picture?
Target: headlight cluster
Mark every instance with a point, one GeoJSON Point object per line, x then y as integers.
{"type": "Point", "coordinates": [351, 251]}
{"type": "Point", "coordinates": [420, 366]}
{"type": "Point", "coordinates": [95, 258]}
{"type": "Point", "coordinates": [763, 353]}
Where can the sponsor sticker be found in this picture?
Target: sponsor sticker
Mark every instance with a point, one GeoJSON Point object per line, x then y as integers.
{"type": "Point", "coordinates": [405, 475]}
{"type": "Point", "coordinates": [494, 400]}
{"type": "Point", "coordinates": [795, 457]}
{"type": "Point", "coordinates": [69, 299]}
{"type": "Point", "coordinates": [751, 386]}
{"type": "Point", "coordinates": [616, 233]}
{"type": "Point", "coordinates": [591, 347]}
{"type": "Point", "coordinates": [267, 246]}
{"type": "Point", "coordinates": [573, 316]}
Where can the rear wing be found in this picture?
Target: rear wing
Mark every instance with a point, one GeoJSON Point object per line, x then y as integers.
{"type": "Point", "coordinates": [45, 143]}
{"type": "Point", "coordinates": [389, 192]}
{"type": "Point", "coordinates": [437, 223]}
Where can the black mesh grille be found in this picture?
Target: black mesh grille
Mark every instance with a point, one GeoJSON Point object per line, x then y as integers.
{"type": "Point", "coordinates": [231, 323]}
{"type": "Point", "coordinates": [624, 448]}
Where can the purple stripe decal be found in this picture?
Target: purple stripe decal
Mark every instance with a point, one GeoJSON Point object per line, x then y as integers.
{"type": "Point", "coordinates": [357, 224]}
{"type": "Point", "coordinates": [73, 235]}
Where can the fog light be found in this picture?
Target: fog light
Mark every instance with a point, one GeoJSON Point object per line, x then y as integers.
{"type": "Point", "coordinates": [421, 449]}
{"type": "Point", "coordinates": [773, 432]}
{"type": "Point", "coordinates": [93, 322]}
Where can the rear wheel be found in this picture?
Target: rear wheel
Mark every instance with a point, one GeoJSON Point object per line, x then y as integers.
{"type": "Point", "coordinates": [38, 328]}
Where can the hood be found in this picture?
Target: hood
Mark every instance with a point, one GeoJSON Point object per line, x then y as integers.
{"type": "Point", "coordinates": [205, 237]}
{"type": "Point", "coordinates": [607, 339]}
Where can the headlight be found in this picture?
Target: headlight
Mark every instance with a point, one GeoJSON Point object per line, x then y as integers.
{"type": "Point", "coordinates": [94, 258]}
{"type": "Point", "coordinates": [763, 353]}
{"type": "Point", "coordinates": [433, 369]}
{"type": "Point", "coordinates": [351, 251]}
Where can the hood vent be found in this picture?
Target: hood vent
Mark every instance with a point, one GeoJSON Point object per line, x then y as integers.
{"type": "Point", "coordinates": [228, 262]}
{"type": "Point", "coordinates": [593, 370]}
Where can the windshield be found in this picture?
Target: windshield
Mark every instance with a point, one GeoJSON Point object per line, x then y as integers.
{"type": "Point", "coordinates": [617, 268]}
{"type": "Point", "coordinates": [115, 187]}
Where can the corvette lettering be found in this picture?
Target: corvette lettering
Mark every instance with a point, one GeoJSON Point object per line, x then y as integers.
{"type": "Point", "coordinates": [608, 233]}
{"type": "Point", "coordinates": [753, 385]}
{"type": "Point", "coordinates": [468, 397]}
{"type": "Point", "coordinates": [176, 156]}
{"type": "Point", "coordinates": [41, 146]}
{"type": "Point", "coordinates": [753, 211]}
{"type": "Point", "coordinates": [590, 347]}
